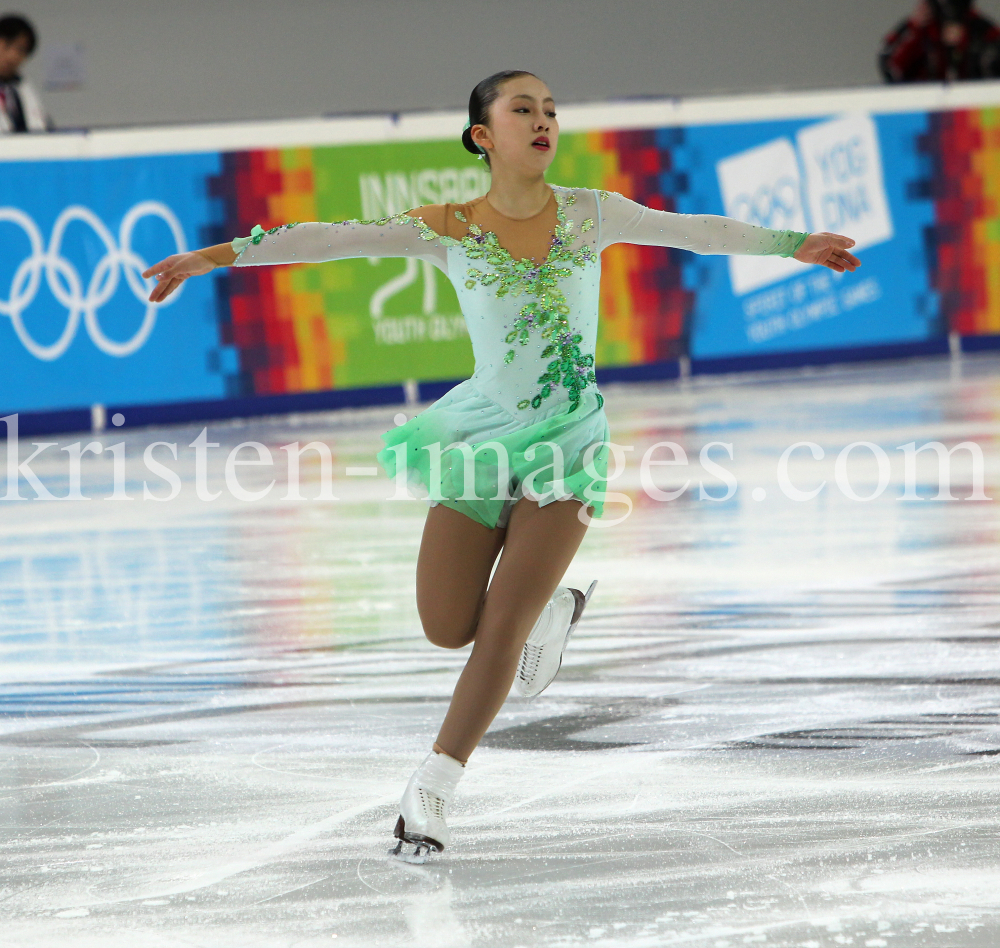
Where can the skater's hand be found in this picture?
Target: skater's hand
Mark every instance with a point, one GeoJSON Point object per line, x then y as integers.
{"type": "Point", "coordinates": [174, 270]}
{"type": "Point", "coordinates": [828, 250]}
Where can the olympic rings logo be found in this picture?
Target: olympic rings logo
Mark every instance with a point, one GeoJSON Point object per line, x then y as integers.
{"type": "Point", "coordinates": [773, 205]}
{"type": "Point", "coordinates": [67, 286]}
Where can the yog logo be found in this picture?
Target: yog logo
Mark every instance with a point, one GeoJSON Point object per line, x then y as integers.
{"type": "Point", "coordinates": [83, 298]}
{"type": "Point", "coordinates": [830, 179]}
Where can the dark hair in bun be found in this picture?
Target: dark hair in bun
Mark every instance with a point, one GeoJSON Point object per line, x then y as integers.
{"type": "Point", "coordinates": [951, 11]}
{"type": "Point", "coordinates": [483, 96]}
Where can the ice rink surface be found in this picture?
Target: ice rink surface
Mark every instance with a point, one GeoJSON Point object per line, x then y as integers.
{"type": "Point", "coordinates": [778, 723]}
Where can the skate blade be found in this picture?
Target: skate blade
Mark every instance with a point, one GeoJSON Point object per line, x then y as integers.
{"type": "Point", "coordinates": [422, 846]}
{"type": "Point", "coordinates": [416, 858]}
{"type": "Point", "coordinates": [581, 602]}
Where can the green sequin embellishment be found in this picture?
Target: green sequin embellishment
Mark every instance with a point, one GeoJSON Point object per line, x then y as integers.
{"type": "Point", "coordinates": [426, 232]}
{"type": "Point", "coordinates": [604, 195]}
{"type": "Point", "coordinates": [587, 224]}
{"type": "Point", "coordinates": [547, 313]}
{"type": "Point", "coordinates": [460, 216]}
{"type": "Point", "coordinates": [258, 233]}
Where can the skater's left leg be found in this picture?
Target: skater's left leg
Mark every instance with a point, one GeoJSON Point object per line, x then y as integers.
{"type": "Point", "coordinates": [453, 572]}
{"type": "Point", "coordinates": [538, 548]}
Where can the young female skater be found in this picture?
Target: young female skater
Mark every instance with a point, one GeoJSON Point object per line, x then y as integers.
{"type": "Point", "coordinates": [525, 261]}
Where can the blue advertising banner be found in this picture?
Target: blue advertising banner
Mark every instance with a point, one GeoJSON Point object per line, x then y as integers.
{"type": "Point", "coordinates": [78, 329]}
{"type": "Point", "coordinates": [856, 175]}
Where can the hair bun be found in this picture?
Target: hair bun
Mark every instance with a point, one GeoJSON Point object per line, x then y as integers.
{"type": "Point", "coordinates": [469, 144]}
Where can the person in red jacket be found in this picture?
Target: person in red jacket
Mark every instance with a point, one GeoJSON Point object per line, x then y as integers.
{"type": "Point", "coordinates": [943, 40]}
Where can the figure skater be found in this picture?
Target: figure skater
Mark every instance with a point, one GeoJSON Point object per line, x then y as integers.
{"type": "Point", "coordinates": [525, 262]}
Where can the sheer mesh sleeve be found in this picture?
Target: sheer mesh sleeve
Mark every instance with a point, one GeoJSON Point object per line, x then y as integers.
{"type": "Point", "coordinates": [625, 222]}
{"type": "Point", "coordinates": [405, 235]}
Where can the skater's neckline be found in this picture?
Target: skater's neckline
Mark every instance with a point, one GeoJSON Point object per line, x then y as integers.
{"type": "Point", "coordinates": [517, 220]}
{"type": "Point", "coordinates": [478, 239]}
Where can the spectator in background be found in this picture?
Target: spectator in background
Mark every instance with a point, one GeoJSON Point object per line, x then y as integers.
{"type": "Point", "coordinates": [20, 107]}
{"type": "Point", "coordinates": [943, 40]}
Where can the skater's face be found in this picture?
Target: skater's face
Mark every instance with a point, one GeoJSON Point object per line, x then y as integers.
{"type": "Point", "coordinates": [523, 131]}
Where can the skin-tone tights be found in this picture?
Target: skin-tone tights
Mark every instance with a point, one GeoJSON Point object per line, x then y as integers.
{"type": "Point", "coordinates": [459, 604]}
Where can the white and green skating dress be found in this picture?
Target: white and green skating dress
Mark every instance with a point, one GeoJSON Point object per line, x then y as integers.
{"type": "Point", "coordinates": [529, 291]}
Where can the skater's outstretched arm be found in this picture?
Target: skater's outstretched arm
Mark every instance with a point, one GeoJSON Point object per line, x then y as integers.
{"type": "Point", "coordinates": [406, 235]}
{"type": "Point", "coordinates": [625, 221]}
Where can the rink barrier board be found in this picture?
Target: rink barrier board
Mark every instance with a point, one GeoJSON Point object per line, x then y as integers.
{"type": "Point", "coordinates": [144, 416]}
{"type": "Point", "coordinates": [257, 341]}
{"type": "Point", "coordinates": [792, 360]}
{"type": "Point", "coordinates": [141, 416]}
{"type": "Point", "coordinates": [435, 124]}
{"type": "Point", "coordinates": [33, 423]}
{"type": "Point", "coordinates": [136, 416]}
{"type": "Point", "coordinates": [985, 343]}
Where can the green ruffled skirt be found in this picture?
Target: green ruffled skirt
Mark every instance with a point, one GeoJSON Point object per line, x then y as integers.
{"type": "Point", "coordinates": [465, 415]}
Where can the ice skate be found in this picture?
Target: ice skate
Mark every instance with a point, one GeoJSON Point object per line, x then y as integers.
{"type": "Point", "coordinates": [542, 655]}
{"type": "Point", "coordinates": [424, 807]}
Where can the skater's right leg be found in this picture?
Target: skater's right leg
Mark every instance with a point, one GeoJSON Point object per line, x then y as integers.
{"type": "Point", "coordinates": [453, 572]}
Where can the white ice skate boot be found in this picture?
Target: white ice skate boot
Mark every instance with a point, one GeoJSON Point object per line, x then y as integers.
{"type": "Point", "coordinates": [424, 807]}
{"type": "Point", "coordinates": [542, 655]}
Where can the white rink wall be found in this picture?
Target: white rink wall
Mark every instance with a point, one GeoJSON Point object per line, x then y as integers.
{"type": "Point", "coordinates": [446, 123]}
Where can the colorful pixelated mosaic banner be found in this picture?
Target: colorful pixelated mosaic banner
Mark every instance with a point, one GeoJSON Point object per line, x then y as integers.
{"type": "Point", "coordinates": [917, 190]}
